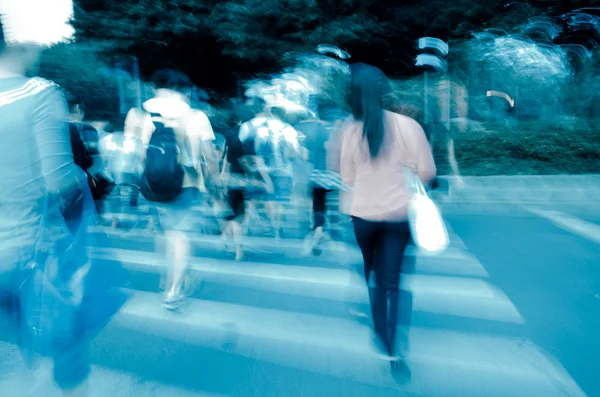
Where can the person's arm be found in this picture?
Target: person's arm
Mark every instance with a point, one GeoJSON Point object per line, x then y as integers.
{"type": "Point", "coordinates": [291, 141]}
{"type": "Point", "coordinates": [347, 164]}
{"type": "Point", "coordinates": [51, 130]}
{"type": "Point", "coordinates": [425, 166]}
{"type": "Point", "coordinates": [134, 123]}
{"type": "Point", "coordinates": [261, 168]}
{"type": "Point", "coordinates": [225, 167]}
{"type": "Point", "coordinates": [334, 144]}
{"type": "Point", "coordinates": [139, 125]}
{"type": "Point", "coordinates": [201, 138]}
{"type": "Point", "coordinates": [453, 162]}
{"type": "Point", "coordinates": [80, 154]}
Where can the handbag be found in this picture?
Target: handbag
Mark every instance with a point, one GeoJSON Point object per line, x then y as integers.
{"type": "Point", "coordinates": [99, 185]}
{"type": "Point", "coordinates": [64, 295]}
{"type": "Point", "coordinates": [427, 226]}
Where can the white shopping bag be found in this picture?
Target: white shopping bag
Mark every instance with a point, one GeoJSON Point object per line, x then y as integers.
{"type": "Point", "coordinates": [427, 226]}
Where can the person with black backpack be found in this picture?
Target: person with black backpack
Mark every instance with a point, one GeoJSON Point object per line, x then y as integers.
{"type": "Point", "coordinates": [176, 137]}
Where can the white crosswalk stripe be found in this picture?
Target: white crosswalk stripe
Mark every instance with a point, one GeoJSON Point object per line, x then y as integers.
{"type": "Point", "coordinates": [292, 311]}
{"type": "Point", "coordinates": [572, 224]}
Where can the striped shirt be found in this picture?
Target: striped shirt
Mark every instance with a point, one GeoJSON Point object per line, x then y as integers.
{"type": "Point", "coordinates": [35, 159]}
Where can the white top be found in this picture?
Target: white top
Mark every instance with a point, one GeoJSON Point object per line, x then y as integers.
{"type": "Point", "coordinates": [191, 126]}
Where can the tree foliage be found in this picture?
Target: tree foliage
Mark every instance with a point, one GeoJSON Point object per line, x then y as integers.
{"type": "Point", "coordinates": [256, 29]}
{"type": "Point", "coordinates": [209, 39]}
{"type": "Point", "coordinates": [80, 71]}
{"type": "Point", "coordinates": [132, 22]}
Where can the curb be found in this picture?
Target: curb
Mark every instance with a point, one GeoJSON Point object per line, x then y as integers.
{"type": "Point", "coordinates": [525, 190]}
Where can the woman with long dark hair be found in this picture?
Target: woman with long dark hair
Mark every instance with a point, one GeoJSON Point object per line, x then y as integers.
{"type": "Point", "coordinates": [377, 147]}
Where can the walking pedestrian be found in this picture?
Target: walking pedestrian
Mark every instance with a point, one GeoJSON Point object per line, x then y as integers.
{"type": "Point", "coordinates": [377, 146]}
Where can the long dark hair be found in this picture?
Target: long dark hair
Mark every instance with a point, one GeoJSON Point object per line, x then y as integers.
{"type": "Point", "coordinates": [368, 88]}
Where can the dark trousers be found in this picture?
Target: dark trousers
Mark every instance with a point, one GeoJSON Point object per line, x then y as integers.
{"type": "Point", "coordinates": [319, 196]}
{"type": "Point", "coordinates": [134, 197]}
{"type": "Point", "coordinates": [382, 245]}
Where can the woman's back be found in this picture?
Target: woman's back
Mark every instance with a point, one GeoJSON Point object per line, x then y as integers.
{"type": "Point", "coordinates": [380, 189]}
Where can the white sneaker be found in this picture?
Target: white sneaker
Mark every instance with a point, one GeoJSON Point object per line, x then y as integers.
{"type": "Point", "coordinates": [173, 301]}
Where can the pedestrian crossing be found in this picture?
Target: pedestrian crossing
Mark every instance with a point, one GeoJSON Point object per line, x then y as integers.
{"type": "Point", "coordinates": [295, 217]}
{"type": "Point", "coordinates": [285, 316]}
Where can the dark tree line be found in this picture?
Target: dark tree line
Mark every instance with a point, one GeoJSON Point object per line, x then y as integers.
{"type": "Point", "coordinates": [216, 41]}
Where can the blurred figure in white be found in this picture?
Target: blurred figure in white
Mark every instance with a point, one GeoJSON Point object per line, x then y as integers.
{"type": "Point", "coordinates": [275, 143]}
{"type": "Point", "coordinates": [175, 137]}
{"type": "Point", "coordinates": [316, 131]}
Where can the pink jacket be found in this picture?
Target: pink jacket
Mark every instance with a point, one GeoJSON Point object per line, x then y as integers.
{"type": "Point", "coordinates": [379, 189]}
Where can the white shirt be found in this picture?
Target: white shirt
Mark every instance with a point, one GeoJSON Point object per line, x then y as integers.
{"type": "Point", "coordinates": [191, 126]}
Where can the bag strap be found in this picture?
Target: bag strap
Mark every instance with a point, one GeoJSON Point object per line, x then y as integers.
{"type": "Point", "coordinates": [413, 182]}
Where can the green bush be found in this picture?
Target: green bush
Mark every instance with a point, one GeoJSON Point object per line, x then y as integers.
{"type": "Point", "coordinates": [528, 148]}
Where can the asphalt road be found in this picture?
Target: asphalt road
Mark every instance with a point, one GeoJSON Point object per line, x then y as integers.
{"type": "Point", "coordinates": [553, 278]}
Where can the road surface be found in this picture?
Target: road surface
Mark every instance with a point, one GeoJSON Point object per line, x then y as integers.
{"type": "Point", "coordinates": [511, 309]}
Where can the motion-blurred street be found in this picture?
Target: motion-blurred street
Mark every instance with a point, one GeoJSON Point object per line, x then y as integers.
{"type": "Point", "coordinates": [511, 309]}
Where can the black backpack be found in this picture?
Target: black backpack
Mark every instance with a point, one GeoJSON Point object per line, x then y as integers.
{"type": "Point", "coordinates": [162, 179]}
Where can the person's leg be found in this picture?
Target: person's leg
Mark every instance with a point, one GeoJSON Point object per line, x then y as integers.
{"type": "Point", "coordinates": [234, 224]}
{"type": "Point", "coordinates": [72, 366]}
{"type": "Point", "coordinates": [392, 244]}
{"type": "Point", "coordinates": [274, 214]}
{"type": "Point", "coordinates": [317, 234]}
{"type": "Point", "coordinates": [319, 196]}
{"type": "Point", "coordinates": [177, 250]}
{"type": "Point", "coordinates": [115, 206]}
{"type": "Point", "coordinates": [134, 198]}
{"type": "Point", "coordinates": [176, 220]}
{"type": "Point", "coordinates": [366, 237]}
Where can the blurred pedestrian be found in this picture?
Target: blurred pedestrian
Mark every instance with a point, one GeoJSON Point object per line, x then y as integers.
{"type": "Point", "coordinates": [176, 138]}
{"type": "Point", "coordinates": [39, 181]}
{"type": "Point", "coordinates": [377, 146]}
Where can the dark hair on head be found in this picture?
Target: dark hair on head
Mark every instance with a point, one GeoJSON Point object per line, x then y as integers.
{"type": "Point", "coordinates": [243, 113]}
{"type": "Point", "coordinates": [258, 104]}
{"type": "Point", "coordinates": [328, 110]}
{"type": "Point", "coordinates": [171, 80]}
{"type": "Point", "coordinates": [73, 100]}
{"type": "Point", "coordinates": [278, 112]}
{"type": "Point", "coordinates": [368, 87]}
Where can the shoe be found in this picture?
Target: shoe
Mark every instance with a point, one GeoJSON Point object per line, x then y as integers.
{"type": "Point", "coordinates": [239, 254]}
{"type": "Point", "coordinates": [312, 241]}
{"type": "Point", "coordinates": [309, 244]}
{"type": "Point", "coordinates": [173, 302]}
{"type": "Point", "coordinates": [382, 351]}
{"type": "Point", "coordinates": [400, 371]}
{"type": "Point", "coordinates": [355, 312]}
